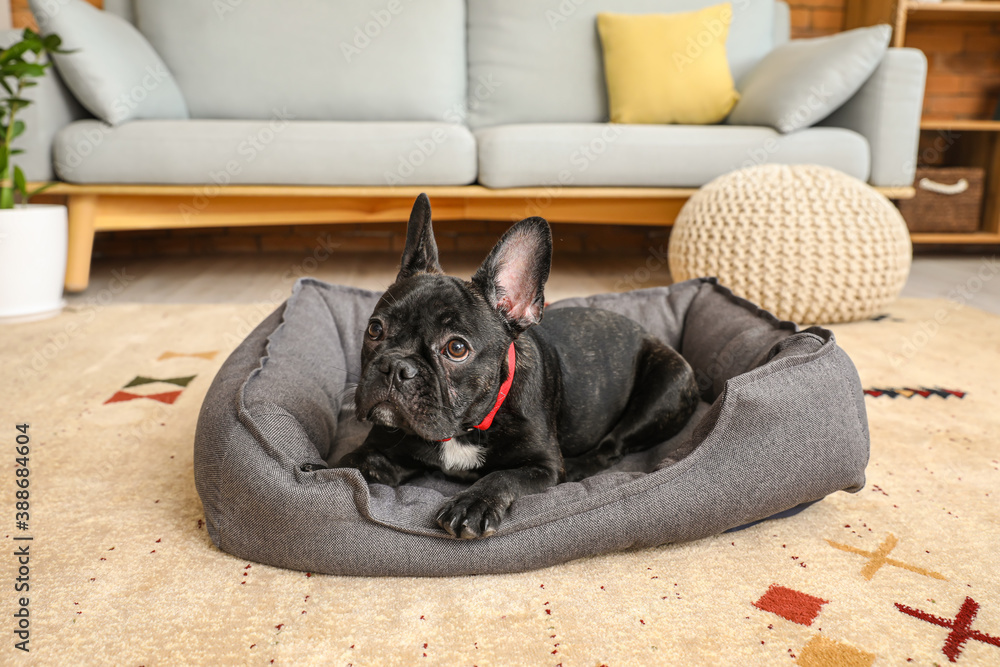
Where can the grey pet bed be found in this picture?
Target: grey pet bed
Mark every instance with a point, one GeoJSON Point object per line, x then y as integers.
{"type": "Point", "coordinates": [782, 425]}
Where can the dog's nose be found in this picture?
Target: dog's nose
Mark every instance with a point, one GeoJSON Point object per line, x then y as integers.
{"type": "Point", "coordinates": [406, 370]}
{"type": "Point", "coordinates": [401, 369]}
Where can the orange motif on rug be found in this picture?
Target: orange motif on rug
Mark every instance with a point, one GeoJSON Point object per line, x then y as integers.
{"type": "Point", "coordinates": [207, 356]}
{"type": "Point", "coordinates": [880, 557]}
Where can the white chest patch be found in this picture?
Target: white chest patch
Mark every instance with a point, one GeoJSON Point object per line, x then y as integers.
{"type": "Point", "coordinates": [459, 455]}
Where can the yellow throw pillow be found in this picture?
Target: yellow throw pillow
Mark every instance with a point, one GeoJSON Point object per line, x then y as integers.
{"type": "Point", "coordinates": [668, 68]}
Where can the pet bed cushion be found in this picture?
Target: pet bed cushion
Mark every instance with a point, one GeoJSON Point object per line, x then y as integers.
{"type": "Point", "coordinates": [782, 424]}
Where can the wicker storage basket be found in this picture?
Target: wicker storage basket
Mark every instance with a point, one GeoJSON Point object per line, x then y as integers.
{"type": "Point", "coordinates": [943, 203]}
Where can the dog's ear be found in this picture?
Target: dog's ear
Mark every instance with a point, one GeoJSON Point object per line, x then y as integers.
{"type": "Point", "coordinates": [421, 253]}
{"type": "Point", "coordinates": [512, 279]}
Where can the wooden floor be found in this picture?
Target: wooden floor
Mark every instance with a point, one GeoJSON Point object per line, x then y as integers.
{"type": "Point", "coordinates": [256, 278]}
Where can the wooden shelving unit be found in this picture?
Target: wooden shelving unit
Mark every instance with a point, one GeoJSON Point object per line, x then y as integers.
{"type": "Point", "coordinates": [946, 238]}
{"type": "Point", "coordinates": [947, 11]}
{"type": "Point", "coordinates": [960, 125]}
{"type": "Point", "coordinates": [973, 142]}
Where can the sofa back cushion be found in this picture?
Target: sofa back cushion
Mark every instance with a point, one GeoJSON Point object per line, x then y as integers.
{"type": "Point", "coordinates": [312, 59]}
{"type": "Point", "coordinates": [536, 61]}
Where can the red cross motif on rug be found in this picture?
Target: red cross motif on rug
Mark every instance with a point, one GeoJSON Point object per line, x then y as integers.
{"type": "Point", "coordinates": [961, 627]}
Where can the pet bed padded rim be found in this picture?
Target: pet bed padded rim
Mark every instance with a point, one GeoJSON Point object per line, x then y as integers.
{"type": "Point", "coordinates": [721, 411]}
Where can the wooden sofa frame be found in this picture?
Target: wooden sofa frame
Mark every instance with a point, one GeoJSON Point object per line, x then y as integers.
{"type": "Point", "coordinates": [96, 208]}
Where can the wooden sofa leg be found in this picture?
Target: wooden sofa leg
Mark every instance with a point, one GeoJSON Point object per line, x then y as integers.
{"type": "Point", "coordinates": [82, 217]}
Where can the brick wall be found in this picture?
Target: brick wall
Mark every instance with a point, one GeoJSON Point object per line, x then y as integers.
{"type": "Point", "coordinates": [462, 236]}
{"type": "Point", "coordinates": [815, 18]}
{"type": "Point", "coordinates": [963, 79]}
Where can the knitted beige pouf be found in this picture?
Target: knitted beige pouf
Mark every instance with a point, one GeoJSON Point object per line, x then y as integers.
{"type": "Point", "coordinates": [808, 243]}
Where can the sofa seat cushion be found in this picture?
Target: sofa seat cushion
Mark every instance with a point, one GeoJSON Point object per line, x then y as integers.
{"type": "Point", "coordinates": [599, 154]}
{"type": "Point", "coordinates": [279, 152]}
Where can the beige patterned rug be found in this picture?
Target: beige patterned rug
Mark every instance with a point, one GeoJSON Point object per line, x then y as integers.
{"type": "Point", "coordinates": [121, 569]}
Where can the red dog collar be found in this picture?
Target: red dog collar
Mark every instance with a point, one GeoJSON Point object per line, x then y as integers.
{"type": "Point", "coordinates": [504, 390]}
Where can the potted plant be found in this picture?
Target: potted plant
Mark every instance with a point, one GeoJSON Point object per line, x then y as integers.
{"type": "Point", "coordinates": [32, 237]}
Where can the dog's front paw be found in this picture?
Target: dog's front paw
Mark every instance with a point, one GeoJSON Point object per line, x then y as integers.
{"type": "Point", "coordinates": [469, 515]}
{"type": "Point", "coordinates": [374, 466]}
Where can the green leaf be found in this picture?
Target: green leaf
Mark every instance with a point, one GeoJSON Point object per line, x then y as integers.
{"type": "Point", "coordinates": [6, 197]}
{"type": "Point", "coordinates": [17, 103]}
{"type": "Point", "coordinates": [14, 52]}
{"type": "Point", "coordinates": [16, 151]}
{"type": "Point", "coordinates": [34, 41]}
{"type": "Point", "coordinates": [52, 42]}
{"type": "Point", "coordinates": [20, 182]}
{"type": "Point", "coordinates": [17, 130]}
{"type": "Point", "coordinates": [20, 69]}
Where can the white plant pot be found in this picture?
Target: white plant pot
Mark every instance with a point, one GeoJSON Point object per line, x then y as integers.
{"type": "Point", "coordinates": [32, 261]}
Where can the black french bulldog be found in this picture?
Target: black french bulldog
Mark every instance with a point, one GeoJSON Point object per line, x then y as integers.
{"type": "Point", "coordinates": [456, 375]}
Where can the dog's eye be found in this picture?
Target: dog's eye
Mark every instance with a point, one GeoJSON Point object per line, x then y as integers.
{"type": "Point", "coordinates": [456, 349]}
{"type": "Point", "coordinates": [375, 330]}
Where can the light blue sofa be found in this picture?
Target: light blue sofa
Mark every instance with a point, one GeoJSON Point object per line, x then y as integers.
{"type": "Point", "coordinates": [506, 93]}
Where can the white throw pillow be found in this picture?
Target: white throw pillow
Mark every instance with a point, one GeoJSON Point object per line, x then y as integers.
{"type": "Point", "coordinates": [114, 72]}
{"type": "Point", "coordinates": [802, 82]}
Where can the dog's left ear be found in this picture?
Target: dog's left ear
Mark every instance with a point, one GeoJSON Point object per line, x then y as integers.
{"type": "Point", "coordinates": [420, 255]}
{"type": "Point", "coordinates": [513, 276]}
